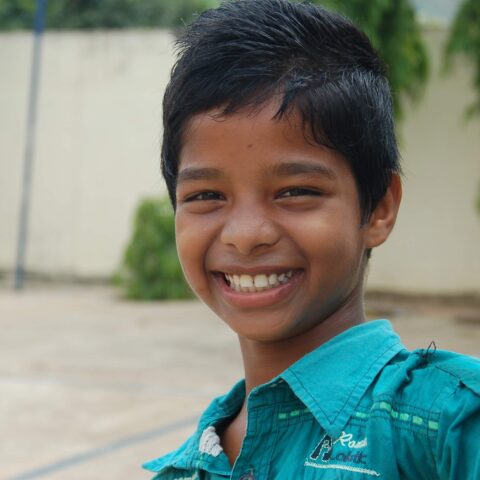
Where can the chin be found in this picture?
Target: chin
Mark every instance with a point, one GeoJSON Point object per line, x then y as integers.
{"type": "Point", "coordinates": [263, 331]}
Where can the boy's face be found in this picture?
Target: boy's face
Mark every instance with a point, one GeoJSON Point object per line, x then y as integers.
{"type": "Point", "coordinates": [267, 224]}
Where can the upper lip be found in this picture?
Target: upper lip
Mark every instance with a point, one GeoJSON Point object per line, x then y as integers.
{"type": "Point", "coordinates": [252, 271]}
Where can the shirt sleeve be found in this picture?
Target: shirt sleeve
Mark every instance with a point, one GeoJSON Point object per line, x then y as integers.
{"type": "Point", "coordinates": [457, 447]}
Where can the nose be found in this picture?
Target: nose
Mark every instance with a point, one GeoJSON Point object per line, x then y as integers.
{"type": "Point", "coordinates": [248, 229]}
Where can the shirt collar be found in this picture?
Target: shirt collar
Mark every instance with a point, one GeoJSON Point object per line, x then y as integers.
{"type": "Point", "coordinates": [332, 379]}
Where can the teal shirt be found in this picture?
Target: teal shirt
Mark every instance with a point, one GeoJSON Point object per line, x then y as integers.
{"type": "Point", "coordinates": [361, 406]}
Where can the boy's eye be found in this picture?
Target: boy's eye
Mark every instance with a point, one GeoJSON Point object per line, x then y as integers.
{"type": "Point", "coordinates": [298, 192]}
{"type": "Point", "coordinates": [202, 196]}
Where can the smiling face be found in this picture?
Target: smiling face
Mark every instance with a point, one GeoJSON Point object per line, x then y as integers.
{"type": "Point", "coordinates": [268, 225]}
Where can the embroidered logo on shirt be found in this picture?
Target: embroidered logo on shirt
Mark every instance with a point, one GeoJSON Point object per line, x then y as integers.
{"type": "Point", "coordinates": [344, 453]}
{"type": "Point", "coordinates": [210, 442]}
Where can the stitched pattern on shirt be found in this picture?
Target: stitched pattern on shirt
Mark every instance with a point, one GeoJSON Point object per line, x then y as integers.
{"type": "Point", "coordinates": [293, 413]}
{"type": "Point", "coordinates": [385, 406]}
{"type": "Point", "coordinates": [398, 415]}
{"type": "Point", "coordinates": [344, 467]}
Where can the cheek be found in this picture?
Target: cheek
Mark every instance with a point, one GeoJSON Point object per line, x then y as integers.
{"type": "Point", "coordinates": [188, 249]}
{"type": "Point", "coordinates": [332, 246]}
{"type": "Point", "coordinates": [193, 242]}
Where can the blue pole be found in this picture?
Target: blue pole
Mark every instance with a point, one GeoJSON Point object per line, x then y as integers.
{"type": "Point", "coordinates": [29, 144]}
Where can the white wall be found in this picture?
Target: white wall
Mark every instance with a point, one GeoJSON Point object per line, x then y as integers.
{"type": "Point", "coordinates": [98, 153]}
{"type": "Point", "coordinates": [97, 148]}
{"type": "Point", "coordinates": [435, 247]}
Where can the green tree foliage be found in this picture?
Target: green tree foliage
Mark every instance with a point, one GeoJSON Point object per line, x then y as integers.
{"type": "Point", "coordinates": [394, 31]}
{"type": "Point", "coordinates": [88, 14]}
{"type": "Point", "coordinates": [464, 40]}
{"type": "Point", "coordinates": [151, 269]}
{"type": "Point", "coordinates": [16, 14]}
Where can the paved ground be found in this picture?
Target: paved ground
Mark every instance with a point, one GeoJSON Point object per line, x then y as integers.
{"type": "Point", "coordinates": [91, 386]}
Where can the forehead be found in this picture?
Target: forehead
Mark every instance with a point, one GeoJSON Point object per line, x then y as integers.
{"type": "Point", "coordinates": [255, 125]}
{"type": "Point", "coordinates": [254, 142]}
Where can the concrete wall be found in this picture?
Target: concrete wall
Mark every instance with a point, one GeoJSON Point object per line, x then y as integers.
{"type": "Point", "coordinates": [98, 147]}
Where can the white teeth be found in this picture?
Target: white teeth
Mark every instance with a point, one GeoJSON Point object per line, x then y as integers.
{"type": "Point", "coordinates": [246, 281]}
{"type": "Point", "coordinates": [261, 281]}
{"type": "Point", "coordinates": [257, 283]}
{"type": "Point", "coordinates": [273, 279]}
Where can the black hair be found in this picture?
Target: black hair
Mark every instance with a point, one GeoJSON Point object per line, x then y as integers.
{"type": "Point", "coordinates": [244, 52]}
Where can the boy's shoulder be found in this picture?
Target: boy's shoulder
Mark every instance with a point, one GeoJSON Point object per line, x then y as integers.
{"type": "Point", "coordinates": [459, 368]}
{"type": "Point", "coordinates": [430, 394]}
{"type": "Point", "coordinates": [429, 373]}
{"type": "Point", "coordinates": [430, 400]}
{"type": "Point", "coordinates": [426, 383]}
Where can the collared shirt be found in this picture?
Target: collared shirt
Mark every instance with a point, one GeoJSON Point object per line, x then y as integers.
{"type": "Point", "coordinates": [361, 406]}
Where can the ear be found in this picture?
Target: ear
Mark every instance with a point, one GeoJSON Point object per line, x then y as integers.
{"type": "Point", "coordinates": [383, 218]}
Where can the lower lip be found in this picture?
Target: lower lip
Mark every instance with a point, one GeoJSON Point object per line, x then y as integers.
{"type": "Point", "coordinates": [265, 298]}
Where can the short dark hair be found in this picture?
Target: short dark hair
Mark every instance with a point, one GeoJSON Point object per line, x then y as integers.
{"type": "Point", "coordinates": [244, 52]}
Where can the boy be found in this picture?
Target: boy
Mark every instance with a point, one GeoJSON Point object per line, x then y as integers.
{"type": "Point", "coordinates": [281, 162]}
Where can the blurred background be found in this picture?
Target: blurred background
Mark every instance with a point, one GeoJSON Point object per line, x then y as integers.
{"type": "Point", "coordinates": [93, 383]}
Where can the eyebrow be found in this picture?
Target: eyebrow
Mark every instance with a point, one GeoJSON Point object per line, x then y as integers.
{"type": "Point", "coordinates": [194, 173]}
{"type": "Point", "coordinates": [302, 168]}
{"type": "Point", "coordinates": [285, 169]}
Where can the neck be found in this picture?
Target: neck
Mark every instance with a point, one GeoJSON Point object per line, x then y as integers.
{"type": "Point", "coordinates": [263, 361]}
